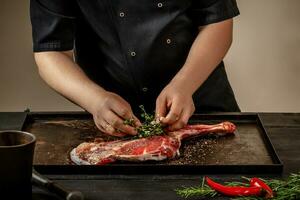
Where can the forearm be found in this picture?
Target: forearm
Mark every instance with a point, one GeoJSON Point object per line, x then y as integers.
{"type": "Point", "coordinates": [62, 74]}
{"type": "Point", "coordinates": [207, 51]}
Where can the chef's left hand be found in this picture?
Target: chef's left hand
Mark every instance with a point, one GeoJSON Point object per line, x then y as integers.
{"type": "Point", "coordinates": [174, 106]}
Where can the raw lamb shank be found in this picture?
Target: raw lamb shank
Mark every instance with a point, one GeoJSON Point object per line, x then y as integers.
{"type": "Point", "coordinates": [151, 148]}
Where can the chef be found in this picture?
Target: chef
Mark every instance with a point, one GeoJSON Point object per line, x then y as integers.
{"type": "Point", "coordinates": [110, 56]}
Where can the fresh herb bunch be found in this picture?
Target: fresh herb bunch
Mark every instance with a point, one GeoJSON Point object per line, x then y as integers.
{"type": "Point", "coordinates": [288, 189]}
{"type": "Point", "coordinates": [201, 191]}
{"type": "Point", "coordinates": [149, 127]}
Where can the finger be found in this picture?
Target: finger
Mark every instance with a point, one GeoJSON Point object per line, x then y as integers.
{"type": "Point", "coordinates": [125, 112]}
{"type": "Point", "coordinates": [100, 127]}
{"type": "Point", "coordinates": [136, 121]}
{"type": "Point", "coordinates": [173, 115]}
{"type": "Point", "coordinates": [122, 110]}
{"type": "Point", "coordinates": [160, 108]}
{"type": "Point", "coordinates": [118, 124]}
{"type": "Point", "coordinates": [182, 122]}
{"type": "Point", "coordinates": [99, 124]}
{"type": "Point", "coordinates": [110, 130]}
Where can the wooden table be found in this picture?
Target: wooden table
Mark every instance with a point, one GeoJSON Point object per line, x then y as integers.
{"type": "Point", "coordinates": [282, 128]}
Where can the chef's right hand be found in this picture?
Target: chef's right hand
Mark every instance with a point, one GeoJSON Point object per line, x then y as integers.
{"type": "Point", "coordinates": [109, 112]}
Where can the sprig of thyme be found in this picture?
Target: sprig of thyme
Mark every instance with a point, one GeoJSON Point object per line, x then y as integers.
{"type": "Point", "coordinates": [149, 127]}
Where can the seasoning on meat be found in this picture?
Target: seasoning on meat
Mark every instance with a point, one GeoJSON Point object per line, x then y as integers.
{"type": "Point", "coordinates": [150, 148]}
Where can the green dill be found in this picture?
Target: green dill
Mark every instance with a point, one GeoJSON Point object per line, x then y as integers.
{"type": "Point", "coordinates": [149, 127]}
{"type": "Point", "coordinates": [288, 189]}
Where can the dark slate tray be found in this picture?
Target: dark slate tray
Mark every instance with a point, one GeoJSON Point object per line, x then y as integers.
{"type": "Point", "coordinates": [249, 151]}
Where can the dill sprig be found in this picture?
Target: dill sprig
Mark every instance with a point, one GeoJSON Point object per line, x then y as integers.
{"type": "Point", "coordinates": [288, 189]}
{"type": "Point", "coordinates": [149, 127]}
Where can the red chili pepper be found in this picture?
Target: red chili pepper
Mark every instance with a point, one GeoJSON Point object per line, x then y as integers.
{"type": "Point", "coordinates": [235, 191]}
{"type": "Point", "coordinates": [259, 183]}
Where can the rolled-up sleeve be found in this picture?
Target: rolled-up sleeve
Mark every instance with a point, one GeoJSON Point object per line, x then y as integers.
{"type": "Point", "coordinates": [204, 12]}
{"type": "Point", "coordinates": [53, 24]}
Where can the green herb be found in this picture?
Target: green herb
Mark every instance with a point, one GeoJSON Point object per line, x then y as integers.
{"type": "Point", "coordinates": [288, 189]}
{"type": "Point", "coordinates": [149, 127]}
{"type": "Point", "coordinates": [129, 122]}
{"type": "Point", "coordinates": [202, 191]}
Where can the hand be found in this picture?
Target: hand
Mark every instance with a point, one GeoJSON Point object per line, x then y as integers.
{"type": "Point", "coordinates": [109, 113]}
{"type": "Point", "coordinates": [174, 106]}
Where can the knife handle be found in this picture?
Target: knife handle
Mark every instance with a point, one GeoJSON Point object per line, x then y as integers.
{"type": "Point", "coordinates": [54, 187]}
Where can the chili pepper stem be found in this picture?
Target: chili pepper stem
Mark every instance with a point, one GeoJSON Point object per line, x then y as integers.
{"type": "Point", "coordinates": [259, 183]}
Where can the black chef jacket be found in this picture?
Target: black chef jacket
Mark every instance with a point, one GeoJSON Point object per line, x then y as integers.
{"type": "Point", "coordinates": [134, 47]}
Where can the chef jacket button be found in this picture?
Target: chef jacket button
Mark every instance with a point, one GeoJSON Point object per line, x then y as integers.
{"type": "Point", "coordinates": [168, 41]}
{"type": "Point", "coordinates": [159, 5]}
{"type": "Point", "coordinates": [122, 14]}
{"type": "Point", "coordinates": [132, 53]}
{"type": "Point", "coordinates": [144, 89]}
